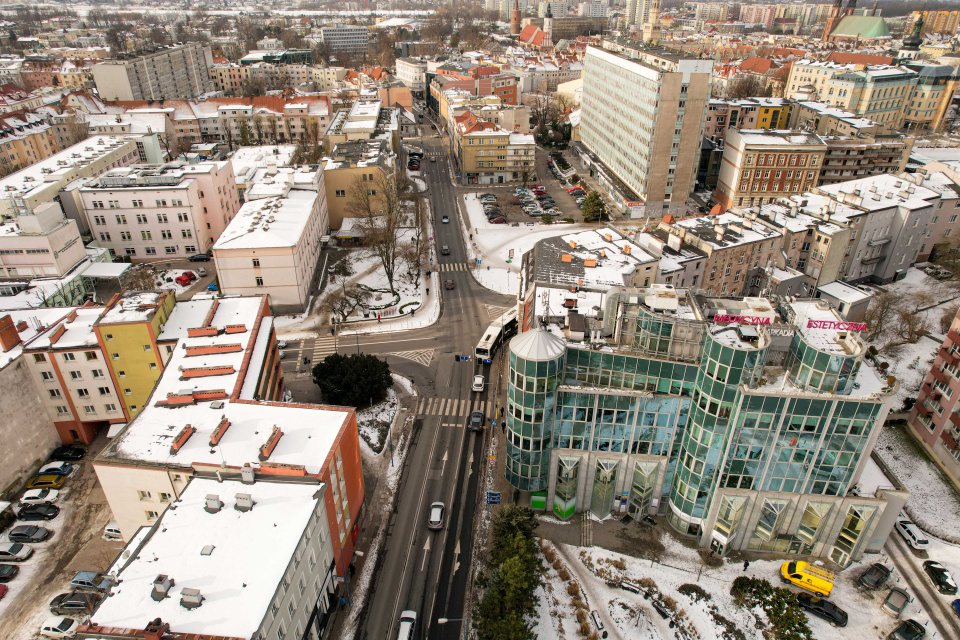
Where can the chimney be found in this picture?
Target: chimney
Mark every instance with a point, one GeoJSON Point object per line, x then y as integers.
{"type": "Point", "coordinates": [190, 598]}
{"type": "Point", "coordinates": [213, 504]}
{"type": "Point", "coordinates": [244, 502]}
{"type": "Point", "coordinates": [9, 336]}
{"type": "Point", "coordinates": [246, 474]}
{"type": "Point", "coordinates": [156, 630]}
{"type": "Point", "coordinates": [161, 585]}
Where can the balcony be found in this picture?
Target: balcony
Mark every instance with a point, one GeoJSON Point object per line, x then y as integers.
{"type": "Point", "coordinates": [922, 410]}
{"type": "Point", "coordinates": [955, 418]}
{"type": "Point", "coordinates": [949, 356]}
{"type": "Point", "coordinates": [948, 441]}
{"type": "Point", "coordinates": [940, 376]}
{"type": "Point", "coordinates": [877, 242]}
{"type": "Point", "coordinates": [954, 336]}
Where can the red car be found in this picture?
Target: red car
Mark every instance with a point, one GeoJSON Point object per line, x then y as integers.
{"type": "Point", "coordinates": [3, 591]}
{"type": "Point", "coordinates": [191, 275]}
{"type": "Point", "coordinates": [538, 186]}
{"type": "Point", "coordinates": [183, 281]}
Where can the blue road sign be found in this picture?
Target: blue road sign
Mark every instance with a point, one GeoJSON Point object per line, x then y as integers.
{"type": "Point", "coordinates": [487, 361]}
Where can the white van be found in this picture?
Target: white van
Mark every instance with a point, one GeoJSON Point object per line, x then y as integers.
{"type": "Point", "coordinates": [912, 534]}
{"type": "Point", "coordinates": [408, 621]}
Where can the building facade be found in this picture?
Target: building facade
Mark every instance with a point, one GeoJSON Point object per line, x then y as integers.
{"type": "Point", "coordinates": [345, 37]}
{"type": "Point", "coordinates": [171, 72]}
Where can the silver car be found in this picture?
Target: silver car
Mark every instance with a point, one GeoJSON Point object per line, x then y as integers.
{"type": "Point", "coordinates": [435, 519]}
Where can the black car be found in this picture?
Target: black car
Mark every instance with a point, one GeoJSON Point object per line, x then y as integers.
{"type": "Point", "coordinates": [908, 630]}
{"type": "Point", "coordinates": [38, 512]}
{"type": "Point", "coordinates": [8, 572]}
{"type": "Point", "coordinates": [476, 421]}
{"type": "Point", "coordinates": [75, 602]}
{"type": "Point", "coordinates": [823, 609]}
{"type": "Point", "coordinates": [28, 533]}
{"type": "Point", "coordinates": [199, 257]}
{"type": "Point", "coordinates": [940, 577]}
{"type": "Point", "coordinates": [875, 576]}
{"type": "Point", "coordinates": [68, 453]}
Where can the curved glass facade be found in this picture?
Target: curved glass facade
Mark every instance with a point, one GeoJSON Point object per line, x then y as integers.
{"type": "Point", "coordinates": [819, 371]}
{"type": "Point", "coordinates": [726, 363]}
{"type": "Point", "coordinates": [531, 398]}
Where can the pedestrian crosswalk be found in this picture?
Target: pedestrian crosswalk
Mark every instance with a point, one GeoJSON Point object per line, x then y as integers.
{"type": "Point", "coordinates": [495, 311]}
{"type": "Point", "coordinates": [452, 266]}
{"type": "Point", "coordinates": [449, 406]}
{"type": "Point", "coordinates": [422, 356]}
{"type": "Point", "coordinates": [323, 347]}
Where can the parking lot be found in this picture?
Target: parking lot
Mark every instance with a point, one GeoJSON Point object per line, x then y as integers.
{"type": "Point", "coordinates": [77, 544]}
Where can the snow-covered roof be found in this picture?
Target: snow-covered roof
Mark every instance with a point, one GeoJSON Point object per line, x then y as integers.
{"type": "Point", "coordinates": [779, 138]}
{"type": "Point", "coordinates": [77, 332]}
{"type": "Point", "coordinates": [844, 292]}
{"type": "Point", "coordinates": [537, 345]}
{"type": "Point", "coordinates": [133, 307]}
{"type": "Point", "coordinates": [34, 319]}
{"type": "Point", "coordinates": [269, 222]}
{"type": "Point", "coordinates": [238, 579]}
{"type": "Point", "coordinates": [821, 337]}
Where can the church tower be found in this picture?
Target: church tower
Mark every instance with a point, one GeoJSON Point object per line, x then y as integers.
{"type": "Point", "coordinates": [548, 27]}
{"type": "Point", "coordinates": [515, 19]}
{"type": "Point", "coordinates": [832, 20]}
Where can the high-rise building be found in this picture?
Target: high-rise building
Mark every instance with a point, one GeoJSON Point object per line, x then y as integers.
{"type": "Point", "coordinates": [643, 117]}
{"type": "Point", "coordinates": [346, 37]}
{"type": "Point", "coordinates": [170, 72]}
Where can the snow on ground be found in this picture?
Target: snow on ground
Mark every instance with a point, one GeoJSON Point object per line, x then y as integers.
{"type": "Point", "coordinates": [404, 384]}
{"type": "Point", "coordinates": [909, 363]}
{"type": "Point", "coordinates": [373, 422]}
{"type": "Point", "coordinates": [491, 244]}
{"type": "Point", "coordinates": [629, 615]}
{"type": "Point", "coordinates": [933, 503]}
{"type": "Point", "coordinates": [171, 275]}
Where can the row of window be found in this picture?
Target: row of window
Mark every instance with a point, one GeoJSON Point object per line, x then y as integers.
{"type": "Point", "coordinates": [142, 218]}
{"type": "Point", "coordinates": [115, 204]}
{"type": "Point", "coordinates": [89, 410]}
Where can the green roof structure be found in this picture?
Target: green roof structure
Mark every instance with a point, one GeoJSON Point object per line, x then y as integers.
{"type": "Point", "coordinates": [863, 27]}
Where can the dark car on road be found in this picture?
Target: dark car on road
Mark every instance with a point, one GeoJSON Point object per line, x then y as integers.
{"type": "Point", "coordinates": [73, 602]}
{"type": "Point", "coordinates": [68, 453]}
{"type": "Point", "coordinates": [823, 609]}
{"type": "Point", "coordinates": [875, 576]}
{"type": "Point", "coordinates": [476, 421]}
{"type": "Point", "coordinates": [8, 572]}
{"type": "Point", "coordinates": [38, 512]}
{"type": "Point", "coordinates": [448, 284]}
{"type": "Point", "coordinates": [908, 630]}
{"type": "Point", "coordinates": [28, 533]}
{"type": "Point", "coordinates": [199, 257]}
{"type": "Point", "coordinates": [940, 577]}
{"type": "Point", "coordinates": [444, 250]}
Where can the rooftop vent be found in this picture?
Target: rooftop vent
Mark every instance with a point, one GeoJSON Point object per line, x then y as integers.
{"type": "Point", "coordinates": [244, 502]}
{"type": "Point", "coordinates": [207, 550]}
{"type": "Point", "coordinates": [246, 474]}
{"type": "Point", "coordinates": [213, 504]}
{"type": "Point", "coordinates": [190, 598]}
{"type": "Point", "coordinates": [217, 405]}
{"type": "Point", "coordinates": [161, 585]}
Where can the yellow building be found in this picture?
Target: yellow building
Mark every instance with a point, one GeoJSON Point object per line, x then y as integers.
{"type": "Point", "coordinates": [938, 21]}
{"type": "Point", "coordinates": [127, 332]}
{"type": "Point", "coordinates": [364, 160]}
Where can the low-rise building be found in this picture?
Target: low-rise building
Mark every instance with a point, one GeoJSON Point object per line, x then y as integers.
{"type": "Point", "coordinates": [351, 162]}
{"type": "Point", "coordinates": [41, 242]}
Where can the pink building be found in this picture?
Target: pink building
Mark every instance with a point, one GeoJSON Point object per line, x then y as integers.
{"type": "Point", "coordinates": [935, 418]}
{"type": "Point", "coordinates": [161, 212]}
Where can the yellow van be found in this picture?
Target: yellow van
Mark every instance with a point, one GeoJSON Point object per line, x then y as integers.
{"type": "Point", "coordinates": [814, 579]}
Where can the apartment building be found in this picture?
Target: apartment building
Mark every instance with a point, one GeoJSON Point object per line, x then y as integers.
{"type": "Point", "coordinates": [273, 246]}
{"type": "Point", "coordinates": [345, 37]}
{"type": "Point", "coordinates": [127, 333]}
{"type": "Point", "coordinates": [290, 596]}
{"type": "Point", "coordinates": [937, 21]}
{"type": "Point", "coordinates": [486, 153]}
{"type": "Point", "coordinates": [161, 212]}
{"type": "Point", "coordinates": [14, 98]}
{"type": "Point", "coordinates": [711, 11]}
{"type": "Point", "coordinates": [746, 113]}
{"type": "Point", "coordinates": [170, 72]}
{"type": "Point", "coordinates": [366, 119]}
{"type": "Point", "coordinates": [734, 248]}
{"type": "Point", "coordinates": [455, 102]}
{"type": "Point", "coordinates": [761, 14]}
{"type": "Point", "coordinates": [825, 119]}
{"type": "Point", "coordinates": [708, 465]}
{"type": "Point", "coordinates": [73, 378]}
{"type": "Point", "coordinates": [349, 163]}
{"type": "Point", "coordinates": [760, 166]}
{"type": "Point", "coordinates": [944, 228]}
{"type": "Point", "coordinates": [851, 158]}
{"type": "Point", "coordinates": [642, 116]}
{"type": "Point", "coordinates": [40, 242]}
{"type": "Point", "coordinates": [932, 96]}
{"type": "Point", "coordinates": [413, 73]}
{"type": "Point", "coordinates": [25, 138]}
{"type": "Point", "coordinates": [592, 10]}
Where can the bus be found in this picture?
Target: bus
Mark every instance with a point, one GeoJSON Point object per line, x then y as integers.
{"type": "Point", "coordinates": [499, 331]}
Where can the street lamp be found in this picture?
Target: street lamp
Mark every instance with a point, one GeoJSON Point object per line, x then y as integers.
{"type": "Point", "coordinates": [463, 627]}
{"type": "Point", "coordinates": [346, 574]}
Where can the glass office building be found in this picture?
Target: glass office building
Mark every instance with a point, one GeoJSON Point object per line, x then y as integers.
{"type": "Point", "coordinates": [742, 424]}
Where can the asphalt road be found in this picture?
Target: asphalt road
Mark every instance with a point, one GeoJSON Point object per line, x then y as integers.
{"type": "Point", "coordinates": [418, 569]}
{"type": "Point", "coordinates": [910, 566]}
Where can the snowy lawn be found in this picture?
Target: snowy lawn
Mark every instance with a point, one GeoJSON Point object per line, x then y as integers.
{"type": "Point", "coordinates": [933, 502]}
{"type": "Point", "coordinates": [374, 422]}
{"type": "Point", "coordinates": [580, 580]}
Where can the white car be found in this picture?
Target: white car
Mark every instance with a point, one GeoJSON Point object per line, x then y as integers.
{"type": "Point", "coordinates": [112, 531]}
{"type": "Point", "coordinates": [40, 496]}
{"type": "Point", "coordinates": [281, 344]}
{"type": "Point", "coordinates": [59, 627]}
{"type": "Point", "coordinates": [435, 519]}
{"type": "Point", "coordinates": [478, 383]}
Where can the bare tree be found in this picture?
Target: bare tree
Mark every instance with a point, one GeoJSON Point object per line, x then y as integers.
{"type": "Point", "coordinates": [882, 309]}
{"type": "Point", "coordinates": [911, 325]}
{"type": "Point", "coordinates": [378, 204]}
{"type": "Point", "coordinates": [75, 129]}
{"type": "Point", "coordinates": [342, 301]}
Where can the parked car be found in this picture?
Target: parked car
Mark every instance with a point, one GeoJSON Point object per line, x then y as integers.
{"type": "Point", "coordinates": [199, 257]}
{"type": "Point", "coordinates": [201, 272]}
{"type": "Point", "coordinates": [445, 219]}
{"type": "Point", "coordinates": [56, 469]}
{"type": "Point", "coordinates": [40, 496]}
{"type": "Point", "coordinates": [823, 609]}
{"type": "Point", "coordinates": [435, 519]}
{"type": "Point", "coordinates": [875, 576]}
{"type": "Point", "coordinates": [444, 250]}
{"type": "Point", "coordinates": [3, 590]}
{"type": "Point", "coordinates": [74, 602]}
{"type": "Point", "coordinates": [68, 452]}
{"type": "Point", "coordinates": [213, 287]}
{"type": "Point", "coordinates": [956, 606]}
{"type": "Point", "coordinates": [28, 533]}
{"type": "Point", "coordinates": [183, 281]}
{"type": "Point", "coordinates": [912, 534]}
{"type": "Point", "coordinates": [281, 344]}
{"type": "Point", "coordinates": [8, 572]}
{"type": "Point", "coordinates": [940, 577]}
{"type": "Point", "coordinates": [895, 602]}
{"type": "Point", "coordinates": [91, 581]}
{"type": "Point", "coordinates": [448, 284]}
{"type": "Point", "coordinates": [476, 421]}
{"type": "Point", "coordinates": [908, 630]}
{"type": "Point", "coordinates": [46, 482]}
{"type": "Point", "coordinates": [498, 221]}
{"type": "Point", "coordinates": [814, 579]}
{"type": "Point", "coordinates": [14, 552]}
{"type": "Point", "coordinates": [478, 383]}
{"type": "Point", "coordinates": [33, 512]}
{"type": "Point", "coordinates": [191, 275]}
{"type": "Point", "coordinates": [59, 627]}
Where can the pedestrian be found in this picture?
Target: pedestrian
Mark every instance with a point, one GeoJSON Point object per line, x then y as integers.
{"type": "Point", "coordinates": [746, 565]}
{"type": "Point", "coordinates": [304, 361]}
{"type": "Point", "coordinates": [378, 317]}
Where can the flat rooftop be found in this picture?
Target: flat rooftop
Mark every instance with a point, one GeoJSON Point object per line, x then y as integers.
{"type": "Point", "coordinates": [77, 331]}
{"type": "Point", "coordinates": [238, 580]}
{"type": "Point", "coordinates": [133, 307]}
{"type": "Point", "coordinates": [779, 138]}
{"type": "Point", "coordinates": [269, 222]}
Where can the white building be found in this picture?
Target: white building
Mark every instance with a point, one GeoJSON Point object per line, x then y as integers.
{"type": "Point", "coordinates": [346, 37]}
{"type": "Point", "coordinates": [592, 10]}
{"type": "Point", "coordinates": [171, 72]}
{"type": "Point", "coordinates": [234, 559]}
{"type": "Point", "coordinates": [413, 73]}
{"type": "Point", "coordinates": [39, 242]}
{"type": "Point", "coordinates": [273, 246]}
{"type": "Point", "coordinates": [161, 212]}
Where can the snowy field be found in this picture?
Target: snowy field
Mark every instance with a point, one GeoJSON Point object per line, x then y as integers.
{"type": "Point", "coordinates": [699, 597]}
{"type": "Point", "coordinates": [374, 422]}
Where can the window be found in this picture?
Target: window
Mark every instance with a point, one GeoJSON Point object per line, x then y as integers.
{"type": "Point", "coordinates": [104, 391]}
{"type": "Point", "coordinates": [110, 408]}
{"type": "Point", "coordinates": [46, 375]}
{"type": "Point", "coordinates": [146, 235]}
{"type": "Point", "coordinates": [182, 217]}
{"type": "Point", "coordinates": [166, 235]}
{"type": "Point", "coordinates": [151, 515]}
{"type": "Point", "coordinates": [121, 219]}
{"type": "Point", "coordinates": [89, 409]}
{"type": "Point", "coordinates": [151, 251]}
{"type": "Point", "coordinates": [76, 375]}
{"type": "Point", "coordinates": [170, 250]}
{"type": "Point", "coordinates": [62, 410]}
{"type": "Point", "coordinates": [164, 497]}
{"type": "Point", "coordinates": [144, 495]}
{"type": "Point", "coordinates": [259, 281]}
{"type": "Point", "coordinates": [341, 193]}
{"type": "Point", "coordinates": [54, 393]}
{"type": "Point", "coordinates": [147, 347]}
{"type": "Point", "coordinates": [256, 263]}
{"type": "Point", "coordinates": [121, 374]}
{"type": "Point", "coordinates": [161, 217]}
{"type": "Point", "coordinates": [68, 357]}
{"type": "Point", "coordinates": [39, 357]}
{"type": "Point", "coordinates": [83, 393]}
